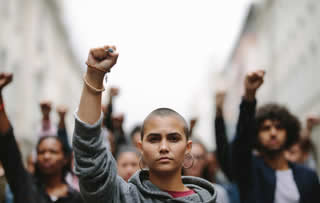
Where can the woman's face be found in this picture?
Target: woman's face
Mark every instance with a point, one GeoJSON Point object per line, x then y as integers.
{"type": "Point", "coordinates": [164, 144]}
{"type": "Point", "coordinates": [50, 156]}
{"type": "Point", "coordinates": [200, 161]}
{"type": "Point", "coordinates": [128, 164]}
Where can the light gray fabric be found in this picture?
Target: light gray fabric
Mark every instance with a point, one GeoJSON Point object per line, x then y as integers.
{"type": "Point", "coordinates": [99, 182]}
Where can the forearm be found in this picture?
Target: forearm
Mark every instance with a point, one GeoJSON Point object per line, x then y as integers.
{"type": "Point", "coordinates": [243, 142]}
{"type": "Point", "coordinates": [4, 121]}
{"type": "Point", "coordinates": [223, 149]}
{"type": "Point", "coordinates": [90, 102]}
{"type": "Point", "coordinates": [18, 178]}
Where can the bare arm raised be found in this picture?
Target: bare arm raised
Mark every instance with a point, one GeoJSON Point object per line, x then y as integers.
{"type": "Point", "coordinates": [100, 61]}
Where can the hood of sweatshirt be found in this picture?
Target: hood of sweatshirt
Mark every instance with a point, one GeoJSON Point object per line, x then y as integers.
{"type": "Point", "coordinates": [204, 190]}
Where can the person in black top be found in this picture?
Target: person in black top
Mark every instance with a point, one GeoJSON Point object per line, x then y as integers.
{"type": "Point", "coordinates": [47, 185]}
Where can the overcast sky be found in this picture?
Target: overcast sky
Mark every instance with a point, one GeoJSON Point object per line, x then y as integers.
{"type": "Point", "coordinates": [168, 49]}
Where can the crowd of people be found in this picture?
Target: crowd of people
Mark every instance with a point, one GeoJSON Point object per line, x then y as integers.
{"type": "Point", "coordinates": [271, 159]}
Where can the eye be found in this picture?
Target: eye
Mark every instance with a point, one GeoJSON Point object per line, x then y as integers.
{"type": "Point", "coordinates": [153, 138]}
{"type": "Point", "coordinates": [174, 138]}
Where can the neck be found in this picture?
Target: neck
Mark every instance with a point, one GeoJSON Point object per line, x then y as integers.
{"type": "Point", "coordinates": [168, 181]}
{"type": "Point", "coordinates": [277, 161]}
{"type": "Point", "coordinates": [52, 181]}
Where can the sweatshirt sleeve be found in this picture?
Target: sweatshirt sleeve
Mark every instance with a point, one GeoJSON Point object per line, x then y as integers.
{"type": "Point", "coordinates": [243, 143]}
{"type": "Point", "coordinates": [223, 149]}
{"type": "Point", "coordinates": [94, 164]}
{"type": "Point", "coordinates": [19, 179]}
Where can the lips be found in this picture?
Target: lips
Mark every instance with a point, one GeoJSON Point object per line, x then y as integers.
{"type": "Point", "coordinates": [165, 159]}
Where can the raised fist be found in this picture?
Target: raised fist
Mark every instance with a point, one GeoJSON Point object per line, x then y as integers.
{"type": "Point", "coordinates": [312, 121]}
{"type": "Point", "coordinates": [114, 91]}
{"type": "Point", "coordinates": [252, 83]}
{"type": "Point", "coordinates": [45, 106]}
{"type": "Point", "coordinates": [220, 96]}
{"type": "Point", "coordinates": [62, 110]}
{"type": "Point", "coordinates": [5, 79]}
{"type": "Point", "coordinates": [103, 58]}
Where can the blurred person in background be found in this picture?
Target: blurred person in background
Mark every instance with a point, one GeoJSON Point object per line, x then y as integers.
{"type": "Point", "coordinates": [127, 161]}
{"type": "Point", "coordinates": [267, 176]}
{"type": "Point", "coordinates": [304, 151]}
{"type": "Point", "coordinates": [48, 182]}
{"type": "Point", "coordinates": [164, 146]}
{"type": "Point", "coordinates": [222, 156]}
{"type": "Point", "coordinates": [135, 135]}
{"type": "Point", "coordinates": [200, 169]}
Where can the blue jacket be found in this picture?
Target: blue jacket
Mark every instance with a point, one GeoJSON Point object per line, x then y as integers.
{"type": "Point", "coordinates": [256, 180]}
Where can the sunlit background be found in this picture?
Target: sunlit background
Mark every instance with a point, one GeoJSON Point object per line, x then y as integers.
{"type": "Point", "coordinates": [173, 53]}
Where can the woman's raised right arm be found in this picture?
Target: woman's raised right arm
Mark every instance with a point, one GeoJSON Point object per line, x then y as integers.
{"type": "Point", "coordinates": [95, 166]}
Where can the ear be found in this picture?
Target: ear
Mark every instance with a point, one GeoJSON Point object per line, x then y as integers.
{"type": "Point", "coordinates": [140, 146]}
{"type": "Point", "coordinates": [189, 146]}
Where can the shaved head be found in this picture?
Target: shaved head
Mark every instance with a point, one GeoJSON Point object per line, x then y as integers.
{"type": "Point", "coordinates": [165, 112]}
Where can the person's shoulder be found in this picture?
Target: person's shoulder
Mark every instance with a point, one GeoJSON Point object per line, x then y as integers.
{"type": "Point", "coordinates": [303, 171]}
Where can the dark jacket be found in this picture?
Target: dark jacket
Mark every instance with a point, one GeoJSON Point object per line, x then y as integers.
{"type": "Point", "coordinates": [25, 187]}
{"type": "Point", "coordinates": [256, 180]}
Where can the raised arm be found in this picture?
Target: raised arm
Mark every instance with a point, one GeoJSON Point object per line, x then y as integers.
{"type": "Point", "coordinates": [19, 179]}
{"type": "Point", "coordinates": [62, 131]}
{"type": "Point", "coordinates": [95, 166]}
{"type": "Point", "coordinates": [223, 148]}
{"type": "Point", "coordinates": [243, 142]}
{"type": "Point", "coordinates": [113, 92]}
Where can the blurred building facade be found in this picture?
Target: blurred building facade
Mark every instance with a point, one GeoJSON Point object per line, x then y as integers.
{"type": "Point", "coordinates": [34, 46]}
{"type": "Point", "coordinates": [282, 37]}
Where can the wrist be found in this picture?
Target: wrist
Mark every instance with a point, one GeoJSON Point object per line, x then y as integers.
{"type": "Point", "coordinates": [95, 78]}
{"type": "Point", "coordinates": [249, 95]}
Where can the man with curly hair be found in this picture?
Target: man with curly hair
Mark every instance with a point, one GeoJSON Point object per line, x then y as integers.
{"type": "Point", "coordinates": [265, 176]}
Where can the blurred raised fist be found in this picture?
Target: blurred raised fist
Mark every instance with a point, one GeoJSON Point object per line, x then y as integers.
{"type": "Point", "coordinates": [220, 96]}
{"type": "Point", "coordinates": [114, 91]}
{"type": "Point", "coordinates": [5, 79]}
{"type": "Point", "coordinates": [312, 121]}
{"type": "Point", "coordinates": [62, 110]}
{"type": "Point", "coordinates": [252, 83]}
{"type": "Point", "coordinates": [103, 58]}
{"type": "Point", "coordinates": [45, 106]}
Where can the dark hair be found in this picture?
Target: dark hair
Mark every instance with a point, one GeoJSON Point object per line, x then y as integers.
{"type": "Point", "coordinates": [166, 112]}
{"type": "Point", "coordinates": [136, 129]}
{"type": "Point", "coordinates": [127, 148]}
{"type": "Point", "coordinates": [287, 120]}
{"type": "Point", "coordinates": [66, 152]}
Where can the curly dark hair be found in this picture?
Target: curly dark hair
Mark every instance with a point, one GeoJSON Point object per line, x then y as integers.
{"type": "Point", "coordinates": [287, 120]}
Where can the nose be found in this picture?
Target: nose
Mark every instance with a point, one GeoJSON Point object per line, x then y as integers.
{"type": "Point", "coordinates": [46, 155]}
{"type": "Point", "coordinates": [273, 131]}
{"type": "Point", "coordinates": [164, 146]}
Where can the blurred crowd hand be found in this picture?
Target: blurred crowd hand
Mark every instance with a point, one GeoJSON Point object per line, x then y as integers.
{"type": "Point", "coordinates": [220, 98]}
{"type": "Point", "coordinates": [5, 79]}
{"type": "Point", "coordinates": [45, 106]}
{"type": "Point", "coordinates": [252, 83]}
{"type": "Point", "coordinates": [312, 121]}
{"type": "Point", "coordinates": [114, 91]}
{"type": "Point", "coordinates": [62, 110]}
{"type": "Point", "coordinates": [193, 122]}
{"type": "Point", "coordinates": [103, 59]}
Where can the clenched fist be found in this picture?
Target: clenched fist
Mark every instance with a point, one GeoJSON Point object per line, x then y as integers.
{"type": "Point", "coordinates": [103, 58]}
{"type": "Point", "coordinates": [5, 79]}
{"type": "Point", "coordinates": [252, 83]}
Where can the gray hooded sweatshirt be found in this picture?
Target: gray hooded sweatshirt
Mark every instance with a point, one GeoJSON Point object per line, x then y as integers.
{"type": "Point", "coordinates": [99, 182]}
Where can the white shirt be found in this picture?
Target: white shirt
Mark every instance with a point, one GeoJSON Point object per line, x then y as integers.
{"type": "Point", "coordinates": [286, 188]}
